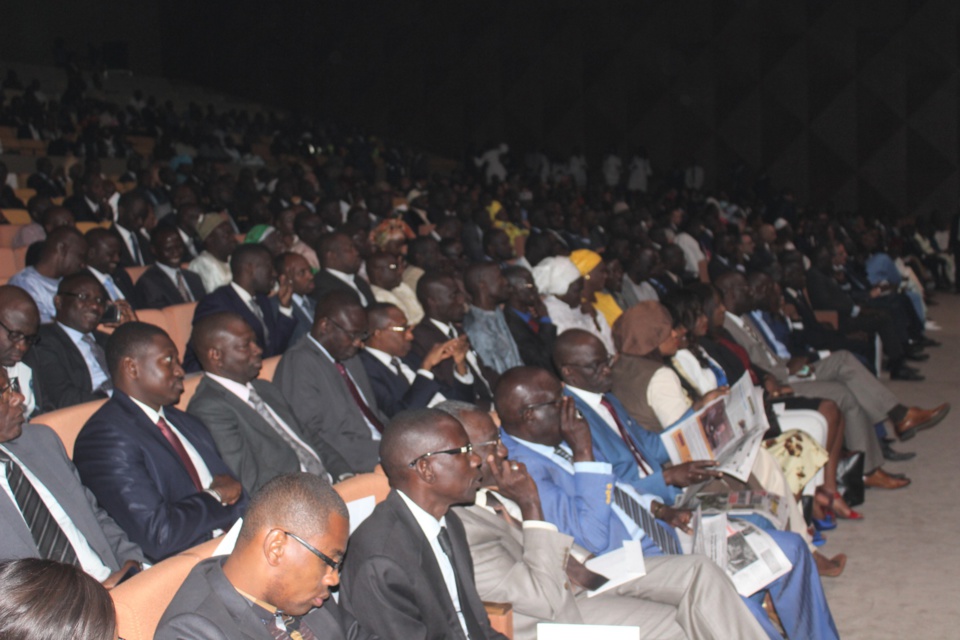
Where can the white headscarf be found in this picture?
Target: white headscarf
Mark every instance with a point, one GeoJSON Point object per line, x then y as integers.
{"type": "Point", "coordinates": [555, 275]}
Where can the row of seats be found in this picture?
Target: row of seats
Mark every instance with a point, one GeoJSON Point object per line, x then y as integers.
{"type": "Point", "coordinates": [142, 145]}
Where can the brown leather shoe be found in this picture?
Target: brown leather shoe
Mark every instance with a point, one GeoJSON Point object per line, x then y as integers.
{"type": "Point", "coordinates": [830, 567]}
{"type": "Point", "coordinates": [880, 479]}
{"type": "Point", "coordinates": [918, 419]}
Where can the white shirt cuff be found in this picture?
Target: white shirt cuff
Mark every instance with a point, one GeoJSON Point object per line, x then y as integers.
{"type": "Point", "coordinates": [539, 524]}
{"type": "Point", "coordinates": [593, 467]}
{"type": "Point", "coordinates": [426, 374]}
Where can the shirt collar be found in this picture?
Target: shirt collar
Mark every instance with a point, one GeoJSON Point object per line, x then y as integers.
{"type": "Point", "coordinates": [320, 346]}
{"type": "Point", "coordinates": [243, 293]}
{"type": "Point", "coordinates": [153, 416]}
{"type": "Point", "coordinates": [592, 399]}
{"type": "Point", "coordinates": [543, 449]}
{"type": "Point", "coordinates": [340, 275]}
{"type": "Point", "coordinates": [428, 524]}
{"type": "Point", "coordinates": [170, 271]}
{"type": "Point", "coordinates": [443, 326]}
{"type": "Point", "coordinates": [102, 277]}
{"type": "Point", "coordinates": [735, 319]}
{"type": "Point", "coordinates": [242, 391]}
{"type": "Point", "coordinates": [382, 356]}
{"type": "Point", "coordinates": [75, 335]}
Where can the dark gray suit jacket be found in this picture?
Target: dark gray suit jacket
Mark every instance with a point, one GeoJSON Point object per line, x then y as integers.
{"type": "Point", "coordinates": [42, 452]}
{"type": "Point", "coordinates": [207, 606]}
{"type": "Point", "coordinates": [249, 446]}
{"type": "Point", "coordinates": [61, 371]}
{"type": "Point", "coordinates": [155, 290]}
{"type": "Point", "coordinates": [393, 582]}
{"type": "Point", "coordinates": [322, 403]}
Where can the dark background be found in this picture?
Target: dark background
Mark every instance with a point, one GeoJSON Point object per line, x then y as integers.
{"type": "Point", "coordinates": [852, 104]}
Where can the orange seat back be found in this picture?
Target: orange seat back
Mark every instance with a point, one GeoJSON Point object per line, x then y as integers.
{"type": "Point", "coordinates": [7, 233]}
{"type": "Point", "coordinates": [68, 421]}
{"type": "Point", "coordinates": [179, 320]}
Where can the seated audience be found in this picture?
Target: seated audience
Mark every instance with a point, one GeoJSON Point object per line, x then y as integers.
{"type": "Point", "coordinates": [484, 322]}
{"type": "Point", "coordinates": [103, 261]}
{"type": "Point", "coordinates": [385, 271]}
{"type": "Point", "coordinates": [254, 429]}
{"type": "Point", "coordinates": [154, 468]}
{"type": "Point", "coordinates": [212, 265]}
{"type": "Point", "coordinates": [81, 610]}
{"type": "Point", "coordinates": [62, 254]}
{"type": "Point", "coordinates": [276, 582]}
{"type": "Point", "coordinates": [328, 389]}
{"type": "Point", "coordinates": [561, 284]}
{"type": "Point", "coordinates": [521, 559]}
{"type": "Point", "coordinates": [396, 385]}
{"type": "Point", "coordinates": [46, 217]}
{"type": "Point", "coordinates": [594, 271]}
{"type": "Point", "coordinates": [20, 322]}
{"type": "Point", "coordinates": [423, 255]}
{"type": "Point", "coordinates": [410, 574]}
{"type": "Point", "coordinates": [527, 319]}
{"type": "Point", "coordinates": [294, 269]}
{"type": "Point", "coordinates": [44, 182]}
{"type": "Point", "coordinates": [340, 262]}
{"type": "Point", "coordinates": [70, 352]}
{"type": "Point", "coordinates": [166, 283]}
{"type": "Point", "coordinates": [89, 202]}
{"type": "Point", "coordinates": [132, 211]}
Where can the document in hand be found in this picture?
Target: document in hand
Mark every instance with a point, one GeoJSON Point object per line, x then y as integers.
{"type": "Point", "coordinates": [750, 557]}
{"type": "Point", "coordinates": [729, 430]}
{"type": "Point", "coordinates": [619, 566]}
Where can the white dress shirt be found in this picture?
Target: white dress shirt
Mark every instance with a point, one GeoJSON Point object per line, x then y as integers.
{"type": "Point", "coordinates": [350, 279]}
{"type": "Point", "coordinates": [171, 273]}
{"type": "Point", "coordinates": [89, 560]}
{"type": "Point", "coordinates": [373, 430]}
{"type": "Point", "coordinates": [431, 529]}
{"type": "Point", "coordinates": [212, 272]}
{"type": "Point", "coordinates": [130, 239]}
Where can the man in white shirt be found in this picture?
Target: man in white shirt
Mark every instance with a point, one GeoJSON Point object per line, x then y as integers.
{"type": "Point", "coordinates": [386, 282]}
{"type": "Point", "coordinates": [254, 428]}
{"type": "Point", "coordinates": [132, 210]}
{"type": "Point", "coordinates": [410, 575]}
{"type": "Point", "coordinates": [341, 262]}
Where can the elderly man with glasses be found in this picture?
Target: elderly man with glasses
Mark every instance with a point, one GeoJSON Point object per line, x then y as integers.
{"type": "Point", "coordinates": [326, 386]}
{"type": "Point", "coordinates": [19, 323]}
{"type": "Point", "coordinates": [410, 574]}
{"type": "Point", "coordinates": [276, 582]}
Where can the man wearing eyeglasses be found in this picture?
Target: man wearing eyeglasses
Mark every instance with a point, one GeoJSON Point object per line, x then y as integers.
{"type": "Point", "coordinates": [410, 574]}
{"type": "Point", "coordinates": [276, 582]}
{"type": "Point", "coordinates": [44, 510]}
{"type": "Point", "coordinates": [19, 324]}
{"type": "Point", "coordinates": [328, 389]}
{"type": "Point", "coordinates": [71, 350]}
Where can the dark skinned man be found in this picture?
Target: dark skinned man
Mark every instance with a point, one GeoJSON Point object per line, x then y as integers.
{"type": "Point", "coordinates": [132, 210]}
{"type": "Point", "coordinates": [484, 322]}
{"type": "Point", "coordinates": [19, 325]}
{"type": "Point", "coordinates": [385, 271]}
{"type": "Point", "coordinates": [63, 253]}
{"type": "Point", "coordinates": [254, 429]}
{"type": "Point", "coordinates": [155, 469]}
{"type": "Point", "coordinates": [328, 389]}
{"type": "Point", "coordinates": [166, 283]}
{"type": "Point", "coordinates": [279, 574]}
{"type": "Point", "coordinates": [527, 318]}
{"type": "Point", "coordinates": [103, 261]}
{"type": "Point", "coordinates": [295, 268]}
{"type": "Point", "coordinates": [68, 526]}
{"type": "Point", "coordinates": [340, 261]}
{"type": "Point", "coordinates": [531, 565]}
{"type": "Point", "coordinates": [216, 233]}
{"type": "Point", "coordinates": [543, 429]}
{"type": "Point", "coordinates": [410, 574]}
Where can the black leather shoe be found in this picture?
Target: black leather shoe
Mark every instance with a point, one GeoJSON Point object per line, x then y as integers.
{"type": "Point", "coordinates": [894, 456]}
{"type": "Point", "coordinates": [906, 374]}
{"type": "Point", "coordinates": [917, 356]}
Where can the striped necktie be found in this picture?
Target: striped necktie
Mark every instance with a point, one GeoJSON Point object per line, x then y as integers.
{"type": "Point", "coordinates": [51, 541]}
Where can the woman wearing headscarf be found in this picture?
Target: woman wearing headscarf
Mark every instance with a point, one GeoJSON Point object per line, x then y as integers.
{"type": "Point", "coordinates": [561, 284]}
{"type": "Point", "coordinates": [594, 272]}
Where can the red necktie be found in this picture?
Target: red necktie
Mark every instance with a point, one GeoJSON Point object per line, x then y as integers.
{"type": "Point", "coordinates": [641, 461]}
{"type": "Point", "coordinates": [364, 408]}
{"type": "Point", "coordinates": [178, 447]}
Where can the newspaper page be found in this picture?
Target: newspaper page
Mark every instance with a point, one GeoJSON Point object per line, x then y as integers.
{"type": "Point", "coordinates": [768, 505]}
{"type": "Point", "coordinates": [729, 430]}
{"type": "Point", "coordinates": [750, 557]}
{"type": "Point", "coordinates": [618, 566]}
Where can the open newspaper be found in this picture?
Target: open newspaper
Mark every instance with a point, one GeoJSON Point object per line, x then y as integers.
{"type": "Point", "coordinates": [738, 503]}
{"type": "Point", "coordinates": [729, 430]}
{"type": "Point", "coordinates": [749, 556]}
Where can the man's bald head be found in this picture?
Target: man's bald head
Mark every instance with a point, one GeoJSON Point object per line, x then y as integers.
{"type": "Point", "coordinates": [409, 435]}
{"type": "Point", "coordinates": [583, 361]}
{"type": "Point", "coordinates": [516, 387]}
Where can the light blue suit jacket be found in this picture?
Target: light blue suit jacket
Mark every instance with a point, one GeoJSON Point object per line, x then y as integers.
{"type": "Point", "coordinates": [607, 446]}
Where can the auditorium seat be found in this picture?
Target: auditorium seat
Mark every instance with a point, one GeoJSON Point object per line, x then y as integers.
{"type": "Point", "coordinates": [7, 265]}
{"type": "Point", "coordinates": [190, 383]}
{"type": "Point", "coordinates": [17, 216]}
{"type": "Point", "coordinates": [25, 193]}
{"type": "Point", "coordinates": [154, 317]}
{"type": "Point", "coordinates": [83, 227]}
{"type": "Point", "coordinates": [8, 232]}
{"type": "Point", "coordinates": [135, 272]}
{"type": "Point", "coordinates": [269, 368]}
{"type": "Point", "coordinates": [68, 421]}
{"type": "Point", "coordinates": [20, 258]}
{"type": "Point", "coordinates": [179, 324]}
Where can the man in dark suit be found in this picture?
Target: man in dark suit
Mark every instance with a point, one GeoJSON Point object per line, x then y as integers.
{"type": "Point", "coordinates": [271, 318]}
{"type": "Point", "coordinates": [297, 271]}
{"type": "Point", "coordinates": [155, 469]}
{"type": "Point", "coordinates": [166, 283]}
{"type": "Point", "coordinates": [92, 540]}
{"type": "Point", "coordinates": [89, 203]}
{"type": "Point", "coordinates": [43, 182]}
{"type": "Point", "coordinates": [252, 425]}
{"type": "Point", "coordinates": [70, 353]}
{"type": "Point", "coordinates": [396, 385]}
{"type": "Point", "coordinates": [410, 573]}
{"type": "Point", "coordinates": [103, 261]}
{"type": "Point", "coordinates": [444, 306]}
{"type": "Point", "coordinates": [340, 261]}
{"type": "Point", "coordinates": [132, 209]}
{"type": "Point", "coordinates": [286, 560]}
{"type": "Point", "coordinates": [528, 320]}
{"type": "Point", "coordinates": [328, 389]}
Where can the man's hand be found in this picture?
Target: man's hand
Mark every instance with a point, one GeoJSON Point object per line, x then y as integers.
{"type": "Point", "coordinates": [683, 475]}
{"type": "Point", "coordinates": [540, 309]}
{"type": "Point", "coordinates": [114, 578]}
{"type": "Point", "coordinates": [575, 431]}
{"type": "Point", "coordinates": [710, 397]}
{"type": "Point", "coordinates": [459, 347]}
{"type": "Point", "coordinates": [126, 314]}
{"type": "Point", "coordinates": [227, 488]}
{"type": "Point", "coordinates": [677, 518]}
{"type": "Point", "coordinates": [797, 363]}
{"type": "Point", "coordinates": [437, 354]}
{"type": "Point", "coordinates": [285, 291]}
{"type": "Point", "coordinates": [514, 482]}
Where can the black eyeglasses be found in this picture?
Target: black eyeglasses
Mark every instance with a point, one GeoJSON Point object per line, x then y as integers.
{"type": "Point", "coordinates": [86, 297]}
{"type": "Point", "coordinates": [12, 385]}
{"type": "Point", "coordinates": [593, 367]}
{"type": "Point", "coordinates": [330, 562]}
{"type": "Point", "coordinates": [353, 335]}
{"type": "Point", "coordinates": [19, 336]}
{"type": "Point", "coordinates": [534, 407]}
{"type": "Point", "coordinates": [467, 448]}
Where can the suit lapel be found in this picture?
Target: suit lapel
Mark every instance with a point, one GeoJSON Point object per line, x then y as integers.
{"type": "Point", "coordinates": [247, 314]}
{"type": "Point", "coordinates": [72, 352]}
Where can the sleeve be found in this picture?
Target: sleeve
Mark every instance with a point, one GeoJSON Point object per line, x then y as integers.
{"type": "Point", "coordinates": [58, 386]}
{"type": "Point", "coordinates": [224, 428]}
{"type": "Point", "coordinates": [379, 592]}
{"type": "Point", "coordinates": [189, 625]}
{"type": "Point", "coordinates": [666, 396]}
